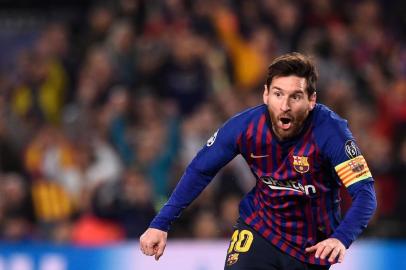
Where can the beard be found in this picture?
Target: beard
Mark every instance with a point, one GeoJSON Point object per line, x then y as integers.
{"type": "Point", "coordinates": [287, 125]}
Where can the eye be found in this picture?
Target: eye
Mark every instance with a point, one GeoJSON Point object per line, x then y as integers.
{"type": "Point", "coordinates": [296, 97]}
{"type": "Point", "coordinates": [277, 94]}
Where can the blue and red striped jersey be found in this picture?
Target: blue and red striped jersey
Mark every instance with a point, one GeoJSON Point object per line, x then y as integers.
{"type": "Point", "coordinates": [295, 202]}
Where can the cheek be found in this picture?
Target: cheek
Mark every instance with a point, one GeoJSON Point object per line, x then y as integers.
{"type": "Point", "coordinates": [272, 111]}
{"type": "Point", "coordinates": [301, 112]}
{"type": "Point", "coordinates": [272, 104]}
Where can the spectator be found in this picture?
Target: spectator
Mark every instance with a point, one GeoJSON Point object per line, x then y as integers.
{"type": "Point", "coordinates": [107, 87]}
{"type": "Point", "coordinates": [128, 202]}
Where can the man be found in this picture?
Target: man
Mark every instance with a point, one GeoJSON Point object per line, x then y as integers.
{"type": "Point", "coordinates": [300, 153]}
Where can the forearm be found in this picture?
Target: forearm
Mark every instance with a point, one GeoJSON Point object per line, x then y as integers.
{"type": "Point", "coordinates": [219, 150]}
{"type": "Point", "coordinates": [355, 221]}
{"type": "Point", "coordinates": [189, 187]}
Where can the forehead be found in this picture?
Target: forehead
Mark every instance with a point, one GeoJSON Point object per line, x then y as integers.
{"type": "Point", "coordinates": [289, 83]}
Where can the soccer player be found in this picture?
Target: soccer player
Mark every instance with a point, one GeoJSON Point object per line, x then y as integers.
{"type": "Point", "coordinates": [300, 152]}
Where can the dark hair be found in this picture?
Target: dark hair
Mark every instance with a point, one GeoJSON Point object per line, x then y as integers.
{"type": "Point", "coordinates": [294, 64]}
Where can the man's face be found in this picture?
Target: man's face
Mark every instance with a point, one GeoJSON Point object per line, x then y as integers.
{"type": "Point", "coordinates": [288, 105]}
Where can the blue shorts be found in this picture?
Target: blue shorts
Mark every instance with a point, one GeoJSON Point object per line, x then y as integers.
{"type": "Point", "coordinates": [248, 250]}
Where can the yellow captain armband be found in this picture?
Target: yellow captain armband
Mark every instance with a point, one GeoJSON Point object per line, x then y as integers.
{"type": "Point", "coordinates": [353, 170]}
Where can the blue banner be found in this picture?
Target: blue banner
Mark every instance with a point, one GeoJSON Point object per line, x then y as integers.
{"type": "Point", "coordinates": [188, 255]}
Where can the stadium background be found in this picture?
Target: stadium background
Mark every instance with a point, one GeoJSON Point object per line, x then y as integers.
{"type": "Point", "coordinates": [104, 103]}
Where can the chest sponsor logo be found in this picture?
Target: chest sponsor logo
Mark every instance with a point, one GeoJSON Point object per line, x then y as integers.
{"type": "Point", "coordinates": [292, 185]}
{"type": "Point", "coordinates": [301, 164]}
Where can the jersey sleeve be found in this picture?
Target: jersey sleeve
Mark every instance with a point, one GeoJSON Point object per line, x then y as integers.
{"type": "Point", "coordinates": [340, 148]}
{"type": "Point", "coordinates": [218, 151]}
{"type": "Point", "coordinates": [351, 170]}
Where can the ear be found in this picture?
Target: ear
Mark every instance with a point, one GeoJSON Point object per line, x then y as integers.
{"type": "Point", "coordinates": [313, 99]}
{"type": "Point", "coordinates": [266, 94]}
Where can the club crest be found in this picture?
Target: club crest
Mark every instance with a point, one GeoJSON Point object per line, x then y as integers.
{"type": "Point", "coordinates": [300, 164]}
{"type": "Point", "coordinates": [232, 259]}
{"type": "Point", "coordinates": [356, 165]}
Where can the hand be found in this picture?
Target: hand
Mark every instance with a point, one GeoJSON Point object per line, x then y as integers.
{"type": "Point", "coordinates": [153, 242]}
{"type": "Point", "coordinates": [330, 246]}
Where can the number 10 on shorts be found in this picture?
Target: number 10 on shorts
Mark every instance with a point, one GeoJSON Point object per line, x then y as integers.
{"type": "Point", "coordinates": [240, 241]}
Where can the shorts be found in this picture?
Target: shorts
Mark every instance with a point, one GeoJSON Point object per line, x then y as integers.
{"type": "Point", "coordinates": [248, 250]}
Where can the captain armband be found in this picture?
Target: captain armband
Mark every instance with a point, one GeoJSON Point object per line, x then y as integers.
{"type": "Point", "coordinates": [353, 170]}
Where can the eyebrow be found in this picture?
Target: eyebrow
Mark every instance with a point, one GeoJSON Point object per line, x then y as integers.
{"type": "Point", "coordinates": [295, 91]}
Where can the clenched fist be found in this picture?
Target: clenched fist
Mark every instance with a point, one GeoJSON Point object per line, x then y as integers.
{"type": "Point", "coordinates": [153, 242]}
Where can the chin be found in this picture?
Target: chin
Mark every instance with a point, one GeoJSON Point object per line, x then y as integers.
{"type": "Point", "coordinates": [283, 135]}
{"type": "Point", "coordinates": [286, 134]}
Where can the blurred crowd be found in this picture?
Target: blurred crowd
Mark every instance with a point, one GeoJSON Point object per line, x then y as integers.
{"type": "Point", "coordinates": [103, 105]}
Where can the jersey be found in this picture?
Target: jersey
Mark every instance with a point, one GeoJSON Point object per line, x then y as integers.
{"type": "Point", "coordinates": [295, 202]}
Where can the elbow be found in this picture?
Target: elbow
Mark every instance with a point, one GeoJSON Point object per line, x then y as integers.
{"type": "Point", "coordinates": [373, 200]}
{"type": "Point", "coordinates": [374, 204]}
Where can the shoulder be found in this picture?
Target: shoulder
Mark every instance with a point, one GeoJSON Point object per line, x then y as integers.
{"type": "Point", "coordinates": [325, 116]}
{"type": "Point", "coordinates": [326, 121]}
{"type": "Point", "coordinates": [252, 112]}
{"type": "Point", "coordinates": [236, 125]}
{"type": "Point", "coordinates": [242, 119]}
{"type": "Point", "coordinates": [330, 130]}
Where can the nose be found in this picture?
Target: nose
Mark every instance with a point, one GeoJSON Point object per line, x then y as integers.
{"type": "Point", "coordinates": [285, 104]}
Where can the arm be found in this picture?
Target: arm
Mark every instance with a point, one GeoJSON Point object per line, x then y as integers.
{"type": "Point", "coordinates": [351, 170]}
{"type": "Point", "coordinates": [192, 183]}
{"type": "Point", "coordinates": [189, 187]}
{"type": "Point", "coordinates": [362, 208]}
{"type": "Point", "coordinates": [355, 221]}
{"type": "Point", "coordinates": [219, 150]}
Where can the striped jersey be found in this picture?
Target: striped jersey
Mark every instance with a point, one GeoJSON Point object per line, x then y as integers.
{"type": "Point", "coordinates": [295, 202]}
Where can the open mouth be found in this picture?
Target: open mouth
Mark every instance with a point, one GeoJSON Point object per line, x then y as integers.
{"type": "Point", "coordinates": [285, 122]}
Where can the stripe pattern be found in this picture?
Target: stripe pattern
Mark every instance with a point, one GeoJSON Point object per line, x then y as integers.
{"type": "Point", "coordinates": [281, 206]}
{"type": "Point", "coordinates": [51, 202]}
{"type": "Point", "coordinates": [353, 170]}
